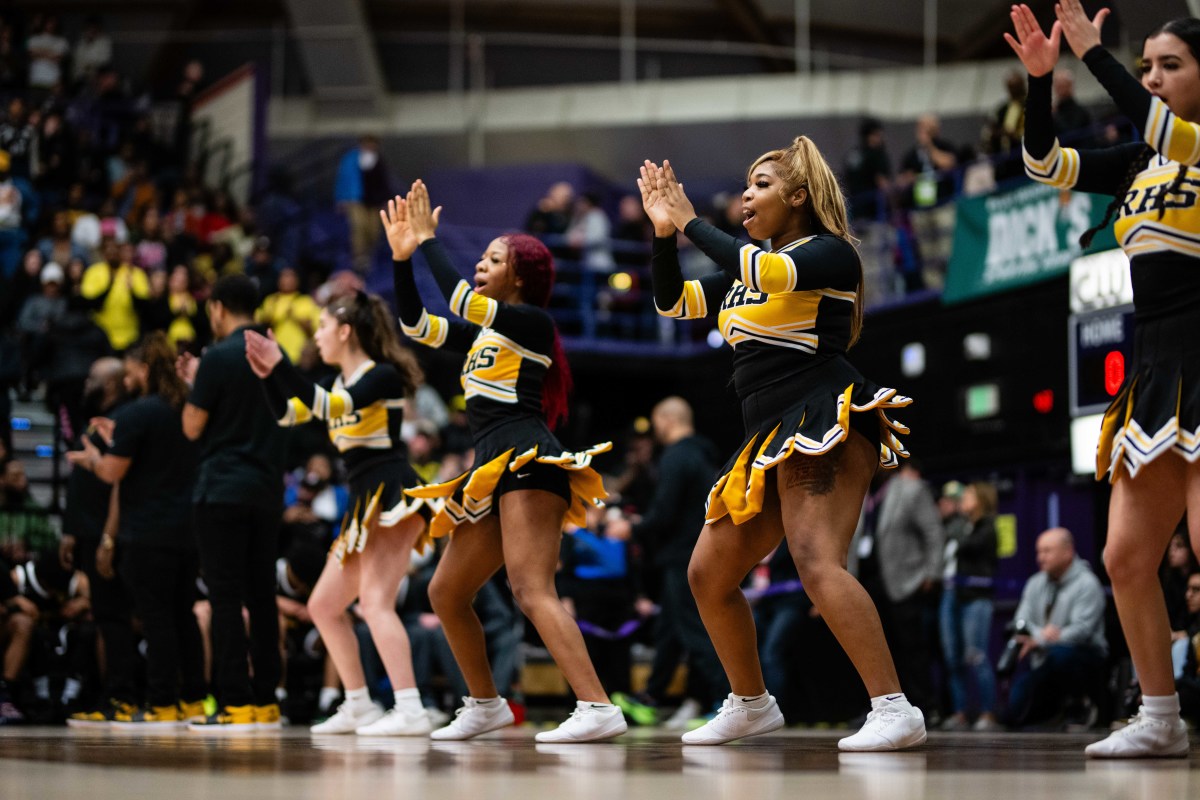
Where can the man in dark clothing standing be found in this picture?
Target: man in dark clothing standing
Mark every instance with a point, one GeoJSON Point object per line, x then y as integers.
{"type": "Point", "coordinates": [669, 530]}
{"type": "Point", "coordinates": [88, 527]}
{"type": "Point", "coordinates": [238, 504]}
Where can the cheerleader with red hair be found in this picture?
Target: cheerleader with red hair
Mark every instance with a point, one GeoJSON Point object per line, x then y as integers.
{"type": "Point", "coordinates": [511, 507]}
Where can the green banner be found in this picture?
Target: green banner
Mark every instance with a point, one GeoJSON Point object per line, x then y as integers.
{"type": "Point", "coordinates": [1011, 239]}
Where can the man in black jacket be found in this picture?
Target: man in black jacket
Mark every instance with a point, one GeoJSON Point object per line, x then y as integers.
{"type": "Point", "coordinates": [669, 531]}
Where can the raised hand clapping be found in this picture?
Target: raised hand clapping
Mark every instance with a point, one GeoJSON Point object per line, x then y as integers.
{"type": "Point", "coordinates": [1037, 52]}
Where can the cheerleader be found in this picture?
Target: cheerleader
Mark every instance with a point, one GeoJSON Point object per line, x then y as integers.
{"type": "Point", "coordinates": [510, 508]}
{"type": "Point", "coordinates": [816, 430]}
{"type": "Point", "coordinates": [1150, 436]}
{"type": "Point", "coordinates": [363, 409]}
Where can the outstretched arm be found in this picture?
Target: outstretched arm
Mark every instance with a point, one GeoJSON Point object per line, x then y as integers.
{"type": "Point", "coordinates": [674, 297]}
{"type": "Point", "coordinates": [416, 323]}
{"type": "Point", "coordinates": [528, 325]}
{"type": "Point", "coordinates": [816, 264]}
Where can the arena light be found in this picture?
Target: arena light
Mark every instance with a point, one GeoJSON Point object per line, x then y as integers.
{"type": "Point", "coordinates": [715, 339]}
{"type": "Point", "coordinates": [912, 359]}
{"type": "Point", "coordinates": [982, 401]}
{"type": "Point", "coordinates": [620, 281]}
{"type": "Point", "coordinates": [1043, 401]}
{"type": "Point", "coordinates": [977, 347]}
{"type": "Point", "coordinates": [1114, 372]}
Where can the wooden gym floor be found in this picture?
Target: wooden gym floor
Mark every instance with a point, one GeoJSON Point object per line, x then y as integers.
{"type": "Point", "coordinates": [646, 764]}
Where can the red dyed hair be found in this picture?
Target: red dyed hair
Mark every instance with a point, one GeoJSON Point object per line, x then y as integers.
{"type": "Point", "coordinates": [533, 264]}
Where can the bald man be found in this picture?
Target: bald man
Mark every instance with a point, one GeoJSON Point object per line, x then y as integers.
{"type": "Point", "coordinates": [87, 513]}
{"type": "Point", "coordinates": [1063, 608]}
{"type": "Point", "coordinates": [668, 531]}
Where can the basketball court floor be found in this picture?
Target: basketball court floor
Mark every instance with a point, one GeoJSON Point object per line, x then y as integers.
{"type": "Point", "coordinates": [43, 763]}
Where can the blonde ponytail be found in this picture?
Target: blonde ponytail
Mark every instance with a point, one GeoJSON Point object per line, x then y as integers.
{"type": "Point", "coordinates": [801, 165]}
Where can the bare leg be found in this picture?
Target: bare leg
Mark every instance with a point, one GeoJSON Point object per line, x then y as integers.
{"type": "Point", "coordinates": [821, 499]}
{"type": "Point", "coordinates": [532, 525]}
{"type": "Point", "coordinates": [725, 553]}
{"type": "Point", "coordinates": [19, 638]}
{"type": "Point", "coordinates": [335, 591]}
{"type": "Point", "coordinates": [384, 564]}
{"type": "Point", "coordinates": [1142, 515]}
{"type": "Point", "coordinates": [472, 557]}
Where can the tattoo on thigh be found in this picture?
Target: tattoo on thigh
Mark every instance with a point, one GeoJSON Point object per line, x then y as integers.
{"type": "Point", "coordinates": [816, 475]}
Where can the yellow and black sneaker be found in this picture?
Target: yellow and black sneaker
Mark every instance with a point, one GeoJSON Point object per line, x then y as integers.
{"type": "Point", "coordinates": [150, 718]}
{"type": "Point", "coordinates": [101, 717]}
{"type": "Point", "coordinates": [268, 718]}
{"type": "Point", "coordinates": [193, 711]}
{"type": "Point", "coordinates": [228, 721]}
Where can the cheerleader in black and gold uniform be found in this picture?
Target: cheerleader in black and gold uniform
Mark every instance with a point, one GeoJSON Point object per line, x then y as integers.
{"type": "Point", "coordinates": [363, 409]}
{"type": "Point", "coordinates": [816, 430]}
{"type": "Point", "coordinates": [510, 508]}
{"type": "Point", "coordinates": [1150, 437]}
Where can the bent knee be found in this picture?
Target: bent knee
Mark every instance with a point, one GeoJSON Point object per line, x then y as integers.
{"type": "Point", "coordinates": [1128, 564]}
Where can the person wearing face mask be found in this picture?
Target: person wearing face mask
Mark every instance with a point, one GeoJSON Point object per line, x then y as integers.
{"type": "Point", "coordinates": [364, 409]}
{"type": "Point", "coordinates": [816, 429]}
{"type": "Point", "coordinates": [510, 509]}
{"type": "Point", "coordinates": [1148, 437]}
{"type": "Point", "coordinates": [361, 186]}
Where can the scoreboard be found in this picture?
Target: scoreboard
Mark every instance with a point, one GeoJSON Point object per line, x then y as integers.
{"type": "Point", "coordinates": [1101, 345]}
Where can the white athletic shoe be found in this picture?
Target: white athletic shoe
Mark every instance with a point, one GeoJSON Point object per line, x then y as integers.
{"type": "Point", "coordinates": [347, 720]}
{"type": "Point", "coordinates": [398, 722]}
{"type": "Point", "coordinates": [475, 718]}
{"type": "Point", "coordinates": [1144, 737]}
{"type": "Point", "coordinates": [889, 726]}
{"type": "Point", "coordinates": [736, 721]}
{"type": "Point", "coordinates": [589, 722]}
{"type": "Point", "coordinates": [688, 711]}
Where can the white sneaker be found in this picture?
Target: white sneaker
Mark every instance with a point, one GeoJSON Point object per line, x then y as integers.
{"type": "Point", "coordinates": [683, 716]}
{"type": "Point", "coordinates": [889, 726]}
{"type": "Point", "coordinates": [398, 722]}
{"type": "Point", "coordinates": [1144, 737]}
{"type": "Point", "coordinates": [475, 718]}
{"type": "Point", "coordinates": [736, 721]}
{"type": "Point", "coordinates": [589, 722]}
{"type": "Point", "coordinates": [347, 720]}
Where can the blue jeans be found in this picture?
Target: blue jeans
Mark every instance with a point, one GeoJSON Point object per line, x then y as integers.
{"type": "Point", "coordinates": [966, 630]}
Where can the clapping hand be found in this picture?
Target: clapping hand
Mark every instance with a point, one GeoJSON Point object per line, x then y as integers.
{"type": "Point", "coordinates": [399, 232]}
{"type": "Point", "coordinates": [421, 218]}
{"type": "Point", "coordinates": [673, 198]}
{"type": "Point", "coordinates": [262, 352]}
{"type": "Point", "coordinates": [1082, 33]}
{"type": "Point", "coordinates": [1037, 52]}
{"type": "Point", "coordinates": [653, 201]}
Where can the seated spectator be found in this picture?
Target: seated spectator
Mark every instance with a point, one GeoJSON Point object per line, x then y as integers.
{"type": "Point", "coordinates": [292, 316]}
{"type": "Point", "coordinates": [24, 525]}
{"type": "Point", "coordinates": [57, 246]}
{"type": "Point", "coordinates": [18, 618]}
{"type": "Point", "coordinates": [63, 641]}
{"type": "Point", "coordinates": [1062, 607]}
{"type": "Point", "coordinates": [552, 214]}
{"type": "Point", "coordinates": [315, 504]}
{"type": "Point", "coordinates": [296, 574]}
{"type": "Point", "coordinates": [1072, 122]}
{"type": "Point", "coordinates": [151, 251]}
{"type": "Point", "coordinates": [423, 448]}
{"type": "Point", "coordinates": [12, 237]}
{"type": "Point", "coordinates": [1178, 566]}
{"type": "Point", "coordinates": [590, 234]}
{"type": "Point", "coordinates": [18, 138]}
{"type": "Point", "coordinates": [1187, 679]}
{"type": "Point", "coordinates": [47, 51]}
{"type": "Point", "coordinates": [456, 434]}
{"type": "Point", "coordinates": [175, 310]}
{"type": "Point", "coordinates": [38, 314]}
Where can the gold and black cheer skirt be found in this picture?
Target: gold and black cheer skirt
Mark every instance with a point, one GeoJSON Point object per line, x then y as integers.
{"type": "Point", "coordinates": [1157, 408]}
{"type": "Point", "coordinates": [808, 415]}
{"type": "Point", "coordinates": [511, 447]}
{"type": "Point", "coordinates": [378, 502]}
